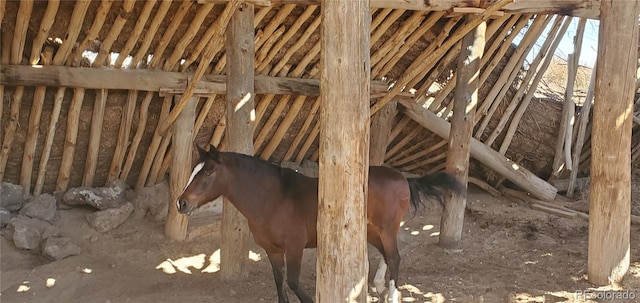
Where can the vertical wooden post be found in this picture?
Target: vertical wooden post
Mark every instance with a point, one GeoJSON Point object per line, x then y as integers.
{"type": "Point", "coordinates": [176, 226]}
{"type": "Point", "coordinates": [342, 264]}
{"type": "Point", "coordinates": [465, 102]}
{"type": "Point", "coordinates": [240, 118]}
{"type": "Point", "coordinates": [381, 124]}
{"type": "Point", "coordinates": [610, 197]}
{"type": "Point", "coordinates": [70, 139]}
{"type": "Point", "coordinates": [94, 137]}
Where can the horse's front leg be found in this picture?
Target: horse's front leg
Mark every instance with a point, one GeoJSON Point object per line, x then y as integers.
{"type": "Point", "coordinates": [277, 265]}
{"type": "Point", "coordinates": [294, 263]}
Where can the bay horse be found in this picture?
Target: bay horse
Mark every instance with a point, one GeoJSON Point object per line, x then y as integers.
{"type": "Point", "coordinates": [281, 207]}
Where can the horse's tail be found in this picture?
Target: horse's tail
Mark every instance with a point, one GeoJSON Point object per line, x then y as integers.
{"type": "Point", "coordinates": [433, 186]}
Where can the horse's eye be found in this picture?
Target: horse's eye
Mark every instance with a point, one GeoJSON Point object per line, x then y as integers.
{"type": "Point", "coordinates": [208, 173]}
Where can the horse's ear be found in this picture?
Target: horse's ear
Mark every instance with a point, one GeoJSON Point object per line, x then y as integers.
{"type": "Point", "coordinates": [201, 151]}
{"type": "Point", "coordinates": [214, 154]}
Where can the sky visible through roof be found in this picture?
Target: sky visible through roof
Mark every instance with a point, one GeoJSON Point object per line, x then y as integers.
{"type": "Point", "coordinates": [589, 49]}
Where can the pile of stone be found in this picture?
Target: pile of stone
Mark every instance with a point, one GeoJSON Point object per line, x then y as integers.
{"type": "Point", "coordinates": [30, 223]}
{"type": "Point", "coordinates": [111, 203]}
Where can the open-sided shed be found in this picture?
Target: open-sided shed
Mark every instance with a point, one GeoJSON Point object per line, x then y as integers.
{"type": "Point", "coordinates": [97, 91]}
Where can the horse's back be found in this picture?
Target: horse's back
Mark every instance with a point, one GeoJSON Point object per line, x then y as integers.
{"type": "Point", "coordinates": [387, 179]}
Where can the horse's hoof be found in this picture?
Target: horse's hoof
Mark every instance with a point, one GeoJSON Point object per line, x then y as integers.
{"type": "Point", "coordinates": [394, 295]}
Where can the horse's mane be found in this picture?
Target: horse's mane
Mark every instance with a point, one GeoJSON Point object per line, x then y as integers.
{"type": "Point", "coordinates": [257, 165]}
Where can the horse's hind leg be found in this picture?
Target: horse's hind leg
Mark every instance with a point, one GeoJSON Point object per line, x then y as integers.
{"type": "Point", "coordinates": [294, 263]}
{"type": "Point", "coordinates": [393, 260]}
{"type": "Point", "coordinates": [379, 278]}
{"type": "Point", "coordinates": [277, 265]}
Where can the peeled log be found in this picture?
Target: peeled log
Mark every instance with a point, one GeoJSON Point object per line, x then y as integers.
{"type": "Point", "coordinates": [486, 155]}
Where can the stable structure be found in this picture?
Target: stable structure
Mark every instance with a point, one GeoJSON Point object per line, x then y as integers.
{"type": "Point", "coordinates": [97, 91]}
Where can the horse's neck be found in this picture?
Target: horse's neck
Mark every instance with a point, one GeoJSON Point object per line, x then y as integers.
{"type": "Point", "coordinates": [242, 189]}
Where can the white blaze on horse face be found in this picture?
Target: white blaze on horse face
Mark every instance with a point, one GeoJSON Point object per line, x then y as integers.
{"type": "Point", "coordinates": [196, 170]}
{"type": "Point", "coordinates": [378, 279]}
{"type": "Point", "coordinates": [394, 295]}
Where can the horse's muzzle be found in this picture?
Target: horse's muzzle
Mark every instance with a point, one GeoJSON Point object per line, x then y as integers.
{"type": "Point", "coordinates": [183, 207]}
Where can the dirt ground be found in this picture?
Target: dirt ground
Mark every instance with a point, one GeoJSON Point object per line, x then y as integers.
{"type": "Point", "coordinates": [510, 253]}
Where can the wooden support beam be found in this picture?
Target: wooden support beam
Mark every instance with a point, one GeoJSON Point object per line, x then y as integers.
{"type": "Point", "coordinates": [610, 197]}
{"type": "Point", "coordinates": [70, 139]}
{"type": "Point", "coordinates": [15, 57]}
{"type": "Point", "coordinates": [48, 142]}
{"type": "Point", "coordinates": [465, 103]}
{"type": "Point", "coordinates": [240, 115]}
{"type": "Point", "coordinates": [578, 8]}
{"type": "Point", "coordinates": [168, 83]}
{"type": "Point", "coordinates": [94, 138]}
{"type": "Point", "coordinates": [142, 125]}
{"type": "Point", "coordinates": [126, 122]}
{"type": "Point", "coordinates": [487, 156]}
{"type": "Point", "coordinates": [381, 125]}
{"type": "Point", "coordinates": [583, 122]}
{"type": "Point", "coordinates": [344, 147]}
{"type": "Point", "coordinates": [34, 126]}
{"type": "Point", "coordinates": [175, 227]}
{"type": "Point", "coordinates": [152, 148]}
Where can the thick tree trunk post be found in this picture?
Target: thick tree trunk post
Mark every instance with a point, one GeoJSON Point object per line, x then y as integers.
{"type": "Point", "coordinates": [381, 124]}
{"type": "Point", "coordinates": [342, 265]}
{"type": "Point", "coordinates": [610, 198]}
{"type": "Point", "coordinates": [465, 102]}
{"type": "Point", "coordinates": [239, 132]}
{"type": "Point", "coordinates": [176, 226]}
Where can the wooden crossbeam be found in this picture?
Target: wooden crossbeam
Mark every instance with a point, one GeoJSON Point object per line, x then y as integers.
{"type": "Point", "coordinates": [153, 80]}
{"type": "Point", "coordinates": [578, 8]}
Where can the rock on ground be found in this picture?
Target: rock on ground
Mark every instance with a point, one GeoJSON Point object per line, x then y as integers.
{"type": "Point", "coordinates": [57, 248]}
{"type": "Point", "coordinates": [152, 200]}
{"type": "Point", "coordinates": [108, 219]}
{"type": "Point", "coordinates": [5, 216]}
{"type": "Point", "coordinates": [11, 196]}
{"type": "Point", "coordinates": [27, 233]}
{"type": "Point", "coordinates": [41, 207]}
{"type": "Point", "coordinates": [100, 198]}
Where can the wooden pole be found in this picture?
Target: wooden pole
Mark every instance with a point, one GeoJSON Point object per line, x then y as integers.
{"type": "Point", "coordinates": [240, 117]}
{"type": "Point", "coordinates": [562, 160]}
{"type": "Point", "coordinates": [70, 139]}
{"type": "Point", "coordinates": [582, 133]}
{"type": "Point", "coordinates": [381, 124]}
{"type": "Point", "coordinates": [465, 102]}
{"type": "Point", "coordinates": [16, 54]}
{"type": "Point", "coordinates": [342, 264]}
{"type": "Point", "coordinates": [38, 98]}
{"type": "Point", "coordinates": [610, 197]}
{"type": "Point", "coordinates": [94, 138]}
{"type": "Point", "coordinates": [175, 227]}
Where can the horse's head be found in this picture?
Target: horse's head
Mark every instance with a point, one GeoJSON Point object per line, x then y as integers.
{"type": "Point", "coordinates": [205, 183]}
